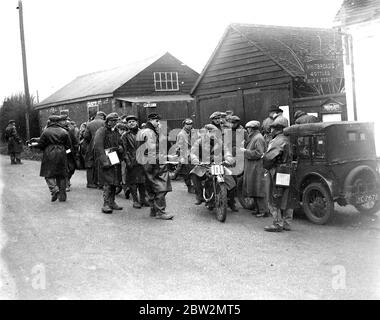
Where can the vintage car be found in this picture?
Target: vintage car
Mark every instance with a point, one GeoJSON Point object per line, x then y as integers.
{"type": "Point", "coordinates": [334, 162]}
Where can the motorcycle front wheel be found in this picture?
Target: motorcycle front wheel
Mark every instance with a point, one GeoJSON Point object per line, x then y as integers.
{"type": "Point", "coordinates": [221, 202]}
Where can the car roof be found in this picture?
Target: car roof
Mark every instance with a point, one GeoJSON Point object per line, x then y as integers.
{"type": "Point", "coordinates": [313, 128]}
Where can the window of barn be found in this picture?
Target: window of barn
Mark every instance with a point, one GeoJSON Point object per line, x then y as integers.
{"type": "Point", "coordinates": [165, 81]}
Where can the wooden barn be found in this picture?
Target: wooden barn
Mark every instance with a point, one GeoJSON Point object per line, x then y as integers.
{"type": "Point", "coordinates": [159, 84]}
{"type": "Point", "coordinates": [255, 66]}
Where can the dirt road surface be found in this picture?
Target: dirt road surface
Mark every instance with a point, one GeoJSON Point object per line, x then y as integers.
{"type": "Point", "coordinates": [71, 250]}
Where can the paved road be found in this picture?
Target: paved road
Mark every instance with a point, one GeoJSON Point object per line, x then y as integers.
{"type": "Point", "coordinates": [73, 251]}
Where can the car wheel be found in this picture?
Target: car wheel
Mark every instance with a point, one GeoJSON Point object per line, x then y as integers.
{"type": "Point", "coordinates": [371, 206]}
{"type": "Point", "coordinates": [317, 203]}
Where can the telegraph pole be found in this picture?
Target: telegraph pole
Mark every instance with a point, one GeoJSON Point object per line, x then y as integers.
{"type": "Point", "coordinates": [25, 71]}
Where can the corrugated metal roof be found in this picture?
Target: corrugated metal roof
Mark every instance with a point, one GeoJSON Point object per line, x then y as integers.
{"type": "Point", "coordinates": [183, 97]}
{"type": "Point", "coordinates": [98, 83]}
{"type": "Point", "coordinates": [357, 11]}
{"type": "Point", "coordinates": [289, 47]}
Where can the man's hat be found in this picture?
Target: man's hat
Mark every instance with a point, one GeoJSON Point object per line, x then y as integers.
{"type": "Point", "coordinates": [223, 114]}
{"type": "Point", "coordinates": [215, 115]}
{"type": "Point", "coordinates": [55, 118]}
{"type": "Point", "coordinates": [187, 121]}
{"type": "Point", "coordinates": [112, 116]}
{"type": "Point", "coordinates": [210, 127]}
{"type": "Point", "coordinates": [130, 117]}
{"type": "Point", "coordinates": [234, 119]}
{"type": "Point", "coordinates": [253, 124]}
{"type": "Point", "coordinates": [11, 121]}
{"type": "Point", "coordinates": [280, 122]}
{"type": "Point", "coordinates": [298, 113]}
{"type": "Point", "coordinates": [275, 108]}
{"type": "Point", "coordinates": [154, 116]}
{"type": "Point", "coordinates": [63, 117]}
{"type": "Point", "coordinates": [101, 113]}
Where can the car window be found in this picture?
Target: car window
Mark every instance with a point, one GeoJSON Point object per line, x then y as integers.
{"type": "Point", "coordinates": [303, 147]}
{"type": "Point", "coordinates": [319, 147]}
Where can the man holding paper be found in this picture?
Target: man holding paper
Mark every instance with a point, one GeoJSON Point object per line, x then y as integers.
{"type": "Point", "coordinates": [108, 152]}
{"type": "Point", "coordinates": [277, 160]}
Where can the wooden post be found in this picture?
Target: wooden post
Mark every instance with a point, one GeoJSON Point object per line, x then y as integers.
{"type": "Point", "coordinates": [25, 71]}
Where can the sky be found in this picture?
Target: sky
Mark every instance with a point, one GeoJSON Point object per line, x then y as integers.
{"type": "Point", "coordinates": [68, 38]}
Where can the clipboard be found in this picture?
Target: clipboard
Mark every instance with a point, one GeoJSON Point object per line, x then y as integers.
{"type": "Point", "coordinates": [112, 156]}
{"type": "Point", "coordinates": [282, 179]}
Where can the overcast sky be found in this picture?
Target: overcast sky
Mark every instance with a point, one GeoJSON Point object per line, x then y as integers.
{"type": "Point", "coordinates": [67, 38]}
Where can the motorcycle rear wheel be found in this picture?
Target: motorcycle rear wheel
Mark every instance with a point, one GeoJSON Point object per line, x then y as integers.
{"type": "Point", "coordinates": [221, 202]}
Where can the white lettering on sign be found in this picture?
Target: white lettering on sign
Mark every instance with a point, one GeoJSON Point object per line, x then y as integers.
{"type": "Point", "coordinates": [150, 105]}
{"type": "Point", "coordinates": [331, 107]}
{"type": "Point", "coordinates": [94, 103]}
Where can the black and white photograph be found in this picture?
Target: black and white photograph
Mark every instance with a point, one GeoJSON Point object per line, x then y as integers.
{"type": "Point", "coordinates": [187, 151]}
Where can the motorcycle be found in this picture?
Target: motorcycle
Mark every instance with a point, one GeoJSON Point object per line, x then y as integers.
{"type": "Point", "coordinates": [215, 188]}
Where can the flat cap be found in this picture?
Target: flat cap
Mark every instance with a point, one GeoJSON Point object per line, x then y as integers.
{"type": "Point", "coordinates": [187, 121]}
{"type": "Point", "coordinates": [11, 121]}
{"type": "Point", "coordinates": [234, 118]}
{"type": "Point", "coordinates": [215, 115]}
{"type": "Point", "coordinates": [154, 116]}
{"type": "Point", "coordinates": [253, 124]}
{"type": "Point", "coordinates": [112, 116]}
{"type": "Point", "coordinates": [275, 108]}
{"type": "Point", "coordinates": [130, 117]}
{"type": "Point", "coordinates": [280, 122]}
{"type": "Point", "coordinates": [55, 118]}
{"type": "Point", "coordinates": [210, 127]}
{"type": "Point", "coordinates": [101, 113]}
{"type": "Point", "coordinates": [298, 113]}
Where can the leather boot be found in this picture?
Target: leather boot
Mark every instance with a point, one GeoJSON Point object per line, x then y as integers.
{"type": "Point", "coordinates": [106, 200]}
{"type": "Point", "coordinates": [135, 198]}
{"type": "Point", "coordinates": [142, 194]}
{"type": "Point", "coordinates": [62, 189]}
{"type": "Point", "coordinates": [113, 204]}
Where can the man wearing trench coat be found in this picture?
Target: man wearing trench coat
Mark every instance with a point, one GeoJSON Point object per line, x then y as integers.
{"type": "Point", "coordinates": [14, 142]}
{"type": "Point", "coordinates": [156, 173]}
{"type": "Point", "coordinates": [55, 143]}
{"type": "Point", "coordinates": [253, 179]}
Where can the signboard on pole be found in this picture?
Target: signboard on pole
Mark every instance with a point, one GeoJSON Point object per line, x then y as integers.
{"type": "Point", "coordinates": [320, 71]}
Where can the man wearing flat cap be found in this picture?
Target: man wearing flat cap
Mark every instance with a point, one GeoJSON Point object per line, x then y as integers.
{"type": "Point", "coordinates": [253, 179]}
{"type": "Point", "coordinates": [14, 142]}
{"type": "Point", "coordinates": [55, 143]}
{"type": "Point", "coordinates": [274, 111]}
{"type": "Point", "coordinates": [156, 173]}
{"type": "Point", "coordinates": [301, 117]}
{"type": "Point", "coordinates": [89, 135]}
{"type": "Point", "coordinates": [108, 146]}
{"type": "Point", "coordinates": [183, 147]}
{"type": "Point", "coordinates": [277, 160]}
{"type": "Point", "coordinates": [134, 172]}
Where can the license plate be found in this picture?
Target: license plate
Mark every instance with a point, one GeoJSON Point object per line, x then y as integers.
{"type": "Point", "coordinates": [366, 198]}
{"type": "Point", "coordinates": [217, 169]}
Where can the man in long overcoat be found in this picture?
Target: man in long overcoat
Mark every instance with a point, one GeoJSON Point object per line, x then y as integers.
{"type": "Point", "coordinates": [107, 140]}
{"type": "Point", "coordinates": [253, 179]}
{"type": "Point", "coordinates": [277, 159]}
{"type": "Point", "coordinates": [156, 174]}
{"type": "Point", "coordinates": [55, 143]}
{"type": "Point", "coordinates": [183, 147]}
{"type": "Point", "coordinates": [14, 142]}
{"type": "Point", "coordinates": [134, 172]}
{"type": "Point", "coordinates": [89, 160]}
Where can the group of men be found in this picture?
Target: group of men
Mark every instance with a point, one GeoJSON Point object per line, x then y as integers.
{"type": "Point", "coordinates": [113, 159]}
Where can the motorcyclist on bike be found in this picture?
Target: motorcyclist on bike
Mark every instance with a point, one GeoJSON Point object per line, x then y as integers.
{"type": "Point", "coordinates": [208, 148]}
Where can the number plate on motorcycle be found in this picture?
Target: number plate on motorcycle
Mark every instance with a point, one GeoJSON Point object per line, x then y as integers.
{"type": "Point", "coordinates": [217, 169]}
{"type": "Point", "coordinates": [366, 198]}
